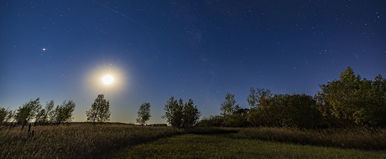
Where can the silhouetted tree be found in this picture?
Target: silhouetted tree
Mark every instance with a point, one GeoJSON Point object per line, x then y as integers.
{"type": "Point", "coordinates": [174, 112]}
{"type": "Point", "coordinates": [64, 112]}
{"type": "Point", "coordinates": [144, 113]}
{"type": "Point", "coordinates": [27, 112]}
{"type": "Point", "coordinates": [181, 115]}
{"type": "Point", "coordinates": [252, 98]}
{"type": "Point", "coordinates": [100, 110]}
{"type": "Point", "coordinates": [229, 106]}
{"type": "Point", "coordinates": [50, 115]}
{"type": "Point", "coordinates": [257, 95]}
{"type": "Point", "coordinates": [190, 114]}
{"type": "Point", "coordinates": [41, 117]}
{"type": "Point", "coordinates": [3, 115]}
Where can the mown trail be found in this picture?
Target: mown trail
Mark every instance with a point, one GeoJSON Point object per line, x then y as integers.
{"type": "Point", "coordinates": [221, 146]}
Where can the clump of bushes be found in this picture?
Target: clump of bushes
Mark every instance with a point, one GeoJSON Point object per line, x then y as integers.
{"type": "Point", "coordinates": [297, 111]}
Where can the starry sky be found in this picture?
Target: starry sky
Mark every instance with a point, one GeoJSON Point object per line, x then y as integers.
{"type": "Point", "coordinates": [199, 49]}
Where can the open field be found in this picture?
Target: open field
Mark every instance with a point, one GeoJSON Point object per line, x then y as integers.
{"type": "Point", "coordinates": [211, 146]}
{"type": "Point", "coordinates": [128, 141]}
{"type": "Point", "coordinates": [76, 140]}
{"type": "Point", "coordinates": [358, 138]}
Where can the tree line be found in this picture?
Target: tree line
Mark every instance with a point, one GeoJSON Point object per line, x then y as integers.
{"type": "Point", "coordinates": [178, 114]}
{"type": "Point", "coordinates": [34, 110]}
{"type": "Point", "coordinates": [350, 101]}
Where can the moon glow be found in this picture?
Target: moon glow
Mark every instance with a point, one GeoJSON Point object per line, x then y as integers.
{"type": "Point", "coordinates": [107, 79]}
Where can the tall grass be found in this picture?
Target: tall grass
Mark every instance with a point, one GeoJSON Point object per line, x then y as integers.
{"type": "Point", "coordinates": [75, 141]}
{"type": "Point", "coordinates": [360, 138]}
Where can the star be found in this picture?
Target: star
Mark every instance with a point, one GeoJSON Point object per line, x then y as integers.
{"type": "Point", "coordinates": [44, 49]}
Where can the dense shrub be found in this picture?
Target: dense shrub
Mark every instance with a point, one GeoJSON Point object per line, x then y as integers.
{"type": "Point", "coordinates": [286, 111]}
{"type": "Point", "coordinates": [352, 101]}
{"type": "Point", "coordinates": [212, 121]}
{"type": "Point", "coordinates": [237, 119]}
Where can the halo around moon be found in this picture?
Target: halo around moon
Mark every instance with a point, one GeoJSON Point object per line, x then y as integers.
{"type": "Point", "coordinates": [106, 79]}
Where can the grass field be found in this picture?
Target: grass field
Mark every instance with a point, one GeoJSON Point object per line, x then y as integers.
{"type": "Point", "coordinates": [223, 146]}
{"type": "Point", "coordinates": [128, 141]}
{"type": "Point", "coordinates": [359, 138]}
{"type": "Point", "coordinates": [76, 140]}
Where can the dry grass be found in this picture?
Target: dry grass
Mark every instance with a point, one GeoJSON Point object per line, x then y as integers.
{"type": "Point", "coordinates": [101, 141]}
{"type": "Point", "coordinates": [75, 141]}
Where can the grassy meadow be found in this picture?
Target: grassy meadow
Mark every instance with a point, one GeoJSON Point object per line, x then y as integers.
{"type": "Point", "coordinates": [75, 140]}
{"type": "Point", "coordinates": [212, 146]}
{"type": "Point", "coordinates": [358, 138]}
{"type": "Point", "coordinates": [129, 141]}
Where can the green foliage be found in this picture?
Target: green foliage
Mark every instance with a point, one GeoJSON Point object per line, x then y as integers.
{"type": "Point", "coordinates": [286, 111]}
{"type": "Point", "coordinates": [28, 111]}
{"type": "Point", "coordinates": [50, 114]}
{"type": "Point", "coordinates": [235, 120]}
{"type": "Point", "coordinates": [212, 121]}
{"type": "Point", "coordinates": [63, 113]}
{"type": "Point", "coordinates": [229, 106]}
{"type": "Point", "coordinates": [41, 116]}
{"type": "Point", "coordinates": [144, 113]}
{"type": "Point", "coordinates": [10, 116]}
{"type": "Point", "coordinates": [190, 114]}
{"type": "Point", "coordinates": [181, 115]}
{"type": "Point", "coordinates": [173, 112]}
{"type": "Point", "coordinates": [3, 115]}
{"type": "Point", "coordinates": [100, 110]}
{"type": "Point", "coordinates": [255, 95]}
{"type": "Point", "coordinates": [352, 101]}
{"type": "Point", "coordinates": [252, 98]}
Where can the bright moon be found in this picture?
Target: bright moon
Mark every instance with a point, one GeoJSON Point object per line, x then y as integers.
{"type": "Point", "coordinates": [107, 79]}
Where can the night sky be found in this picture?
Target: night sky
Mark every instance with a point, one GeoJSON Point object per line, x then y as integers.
{"type": "Point", "coordinates": [189, 49]}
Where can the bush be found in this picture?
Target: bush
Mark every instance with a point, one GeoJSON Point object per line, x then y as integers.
{"type": "Point", "coordinates": [286, 111]}
{"type": "Point", "coordinates": [237, 119]}
{"type": "Point", "coordinates": [213, 121]}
